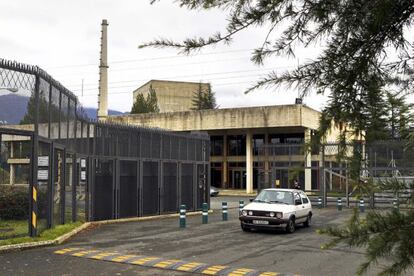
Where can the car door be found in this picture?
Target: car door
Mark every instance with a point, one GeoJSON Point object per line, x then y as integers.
{"type": "Point", "coordinates": [306, 203]}
{"type": "Point", "coordinates": [299, 208]}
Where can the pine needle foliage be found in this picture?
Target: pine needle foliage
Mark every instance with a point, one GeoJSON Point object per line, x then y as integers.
{"type": "Point", "coordinates": [387, 235]}
{"type": "Point", "coordinates": [146, 105]}
{"type": "Point", "coordinates": [366, 46]}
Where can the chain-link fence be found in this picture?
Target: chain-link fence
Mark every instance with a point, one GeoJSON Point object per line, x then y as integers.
{"type": "Point", "coordinates": [73, 168]}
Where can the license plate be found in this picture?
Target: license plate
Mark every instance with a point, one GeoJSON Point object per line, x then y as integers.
{"type": "Point", "coordinates": [260, 222]}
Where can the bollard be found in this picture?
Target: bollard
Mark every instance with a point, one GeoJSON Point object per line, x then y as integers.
{"type": "Point", "coordinates": [205, 213]}
{"type": "Point", "coordinates": [182, 216]}
{"type": "Point", "coordinates": [361, 205]}
{"type": "Point", "coordinates": [319, 202]}
{"type": "Point", "coordinates": [395, 204]}
{"type": "Point", "coordinates": [339, 204]}
{"type": "Point", "coordinates": [224, 207]}
{"type": "Point", "coordinates": [241, 205]}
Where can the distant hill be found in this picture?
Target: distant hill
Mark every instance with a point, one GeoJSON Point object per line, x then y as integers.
{"type": "Point", "coordinates": [13, 108]}
{"type": "Point", "coordinates": [91, 112]}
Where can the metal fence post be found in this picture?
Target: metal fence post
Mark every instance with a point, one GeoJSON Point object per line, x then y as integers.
{"type": "Point", "coordinates": [224, 207]}
{"type": "Point", "coordinates": [205, 213]}
{"type": "Point", "coordinates": [182, 216]}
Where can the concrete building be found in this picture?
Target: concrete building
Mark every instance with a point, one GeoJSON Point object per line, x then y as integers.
{"type": "Point", "coordinates": [172, 96]}
{"type": "Point", "coordinates": [235, 134]}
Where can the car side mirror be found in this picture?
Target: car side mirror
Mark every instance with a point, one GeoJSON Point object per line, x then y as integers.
{"type": "Point", "coordinates": [251, 199]}
{"type": "Point", "coordinates": [298, 202]}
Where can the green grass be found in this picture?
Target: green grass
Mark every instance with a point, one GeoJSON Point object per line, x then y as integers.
{"type": "Point", "coordinates": [13, 228]}
{"type": "Point", "coordinates": [47, 235]}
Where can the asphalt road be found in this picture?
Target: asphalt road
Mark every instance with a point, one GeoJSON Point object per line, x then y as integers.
{"type": "Point", "coordinates": [218, 242]}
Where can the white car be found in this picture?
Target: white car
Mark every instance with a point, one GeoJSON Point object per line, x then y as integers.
{"type": "Point", "coordinates": [277, 208]}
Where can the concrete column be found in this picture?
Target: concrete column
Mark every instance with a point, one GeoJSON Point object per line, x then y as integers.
{"type": "Point", "coordinates": [249, 162]}
{"type": "Point", "coordinates": [12, 173]}
{"type": "Point", "coordinates": [225, 174]}
{"type": "Point", "coordinates": [266, 162]}
{"type": "Point", "coordinates": [308, 163]}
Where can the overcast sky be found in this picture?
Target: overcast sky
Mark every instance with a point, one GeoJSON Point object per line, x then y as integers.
{"type": "Point", "coordinates": [63, 38]}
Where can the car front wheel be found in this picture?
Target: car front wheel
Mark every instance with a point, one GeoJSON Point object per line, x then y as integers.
{"type": "Point", "coordinates": [245, 228]}
{"type": "Point", "coordinates": [290, 227]}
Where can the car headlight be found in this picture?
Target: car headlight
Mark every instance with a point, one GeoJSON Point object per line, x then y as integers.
{"type": "Point", "coordinates": [250, 213]}
{"type": "Point", "coordinates": [244, 213]}
{"type": "Point", "coordinates": [271, 214]}
{"type": "Point", "coordinates": [279, 215]}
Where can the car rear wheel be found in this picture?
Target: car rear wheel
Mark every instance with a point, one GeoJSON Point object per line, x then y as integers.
{"type": "Point", "coordinates": [290, 227]}
{"type": "Point", "coordinates": [308, 221]}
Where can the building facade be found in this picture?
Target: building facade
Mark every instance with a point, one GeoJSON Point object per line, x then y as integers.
{"type": "Point", "coordinates": [236, 136]}
{"type": "Point", "coordinates": [172, 96]}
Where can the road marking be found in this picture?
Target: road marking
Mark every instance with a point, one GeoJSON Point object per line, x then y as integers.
{"type": "Point", "coordinates": [213, 270]}
{"type": "Point", "coordinates": [66, 250]}
{"type": "Point", "coordinates": [156, 262]}
{"type": "Point", "coordinates": [102, 255]}
{"type": "Point", "coordinates": [240, 271]}
{"type": "Point", "coordinates": [164, 264]}
{"type": "Point", "coordinates": [122, 258]}
{"type": "Point", "coordinates": [144, 260]}
{"type": "Point", "coordinates": [189, 266]}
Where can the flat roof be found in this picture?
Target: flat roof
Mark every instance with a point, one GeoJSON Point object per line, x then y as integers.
{"type": "Point", "coordinates": [294, 115]}
{"type": "Point", "coordinates": [170, 81]}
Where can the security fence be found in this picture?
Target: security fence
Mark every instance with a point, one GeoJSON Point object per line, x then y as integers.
{"type": "Point", "coordinates": [335, 169]}
{"type": "Point", "coordinates": [75, 169]}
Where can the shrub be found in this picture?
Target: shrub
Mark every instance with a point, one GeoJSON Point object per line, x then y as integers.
{"type": "Point", "coordinates": [14, 202]}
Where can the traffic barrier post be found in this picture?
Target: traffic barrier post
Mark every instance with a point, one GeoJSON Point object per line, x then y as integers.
{"type": "Point", "coordinates": [361, 205]}
{"type": "Point", "coordinates": [182, 216]}
{"type": "Point", "coordinates": [339, 204]}
{"type": "Point", "coordinates": [224, 209]}
{"type": "Point", "coordinates": [205, 213]}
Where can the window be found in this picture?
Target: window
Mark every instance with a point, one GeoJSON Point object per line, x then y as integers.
{"type": "Point", "coordinates": [236, 145]}
{"type": "Point", "coordinates": [304, 199]}
{"type": "Point", "coordinates": [216, 148]}
{"type": "Point", "coordinates": [258, 141]}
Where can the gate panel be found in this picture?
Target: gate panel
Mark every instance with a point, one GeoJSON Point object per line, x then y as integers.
{"type": "Point", "coordinates": [128, 193]}
{"type": "Point", "coordinates": [186, 191]}
{"type": "Point", "coordinates": [170, 188]}
{"type": "Point", "coordinates": [150, 190]}
{"type": "Point", "coordinates": [58, 184]}
{"type": "Point", "coordinates": [103, 190]}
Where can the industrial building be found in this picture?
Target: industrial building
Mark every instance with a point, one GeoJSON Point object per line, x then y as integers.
{"type": "Point", "coordinates": [236, 136]}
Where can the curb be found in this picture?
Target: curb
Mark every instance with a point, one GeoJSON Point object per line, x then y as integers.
{"type": "Point", "coordinates": [65, 237]}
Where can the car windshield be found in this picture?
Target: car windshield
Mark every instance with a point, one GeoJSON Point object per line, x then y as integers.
{"type": "Point", "coordinates": [269, 196]}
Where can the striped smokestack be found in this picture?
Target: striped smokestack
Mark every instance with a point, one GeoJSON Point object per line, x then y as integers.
{"type": "Point", "coordinates": [103, 74]}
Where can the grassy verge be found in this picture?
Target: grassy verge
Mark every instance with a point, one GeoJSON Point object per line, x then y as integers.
{"type": "Point", "coordinates": [13, 228]}
{"type": "Point", "coordinates": [49, 234]}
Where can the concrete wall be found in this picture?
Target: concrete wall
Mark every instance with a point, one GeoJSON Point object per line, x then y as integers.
{"type": "Point", "coordinates": [231, 118]}
{"type": "Point", "coordinates": [172, 96]}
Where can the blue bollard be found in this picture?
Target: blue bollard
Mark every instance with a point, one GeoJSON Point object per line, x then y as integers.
{"type": "Point", "coordinates": [182, 216]}
{"type": "Point", "coordinates": [319, 202]}
{"type": "Point", "coordinates": [361, 205]}
{"type": "Point", "coordinates": [224, 208]}
{"type": "Point", "coordinates": [395, 204]}
{"type": "Point", "coordinates": [205, 213]}
{"type": "Point", "coordinates": [241, 205]}
{"type": "Point", "coordinates": [339, 204]}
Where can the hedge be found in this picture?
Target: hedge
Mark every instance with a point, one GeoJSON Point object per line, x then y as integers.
{"type": "Point", "coordinates": [14, 202]}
